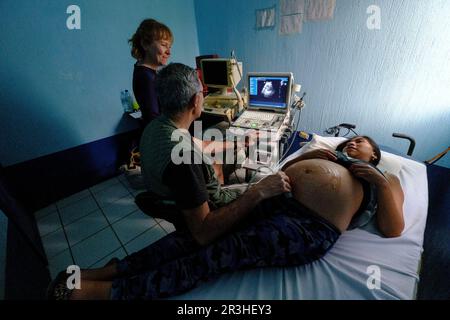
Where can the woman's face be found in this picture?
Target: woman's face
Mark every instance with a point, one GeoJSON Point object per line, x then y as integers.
{"type": "Point", "coordinates": [159, 52]}
{"type": "Point", "coordinates": [360, 148]}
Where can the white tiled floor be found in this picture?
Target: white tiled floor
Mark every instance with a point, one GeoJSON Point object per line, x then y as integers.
{"type": "Point", "coordinates": [94, 225]}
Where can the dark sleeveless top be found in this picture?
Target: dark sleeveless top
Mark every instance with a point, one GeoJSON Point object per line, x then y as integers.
{"type": "Point", "coordinates": [145, 93]}
{"type": "Point", "coordinates": [369, 204]}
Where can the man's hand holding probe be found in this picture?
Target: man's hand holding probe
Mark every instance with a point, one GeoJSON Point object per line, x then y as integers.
{"type": "Point", "coordinates": [272, 185]}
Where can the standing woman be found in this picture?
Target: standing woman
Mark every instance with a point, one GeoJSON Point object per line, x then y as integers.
{"type": "Point", "coordinates": [151, 46]}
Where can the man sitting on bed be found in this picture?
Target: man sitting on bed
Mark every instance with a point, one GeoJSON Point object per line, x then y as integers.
{"type": "Point", "coordinates": [262, 228]}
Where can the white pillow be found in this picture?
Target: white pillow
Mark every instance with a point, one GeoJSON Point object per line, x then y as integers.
{"type": "Point", "coordinates": [388, 163]}
{"type": "Point", "coordinates": [319, 142]}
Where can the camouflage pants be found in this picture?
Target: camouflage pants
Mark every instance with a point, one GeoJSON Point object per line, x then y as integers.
{"type": "Point", "coordinates": [282, 233]}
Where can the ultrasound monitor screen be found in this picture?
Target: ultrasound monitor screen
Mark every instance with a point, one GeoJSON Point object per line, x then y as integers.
{"type": "Point", "coordinates": [215, 73]}
{"type": "Point", "coordinates": [268, 91]}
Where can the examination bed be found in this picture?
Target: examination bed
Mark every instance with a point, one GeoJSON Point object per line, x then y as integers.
{"type": "Point", "coordinates": [359, 255]}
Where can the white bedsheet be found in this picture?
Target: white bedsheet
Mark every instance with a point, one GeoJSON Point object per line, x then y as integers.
{"type": "Point", "coordinates": [342, 273]}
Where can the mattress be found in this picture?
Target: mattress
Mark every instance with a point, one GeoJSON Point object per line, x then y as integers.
{"type": "Point", "coordinates": [351, 269]}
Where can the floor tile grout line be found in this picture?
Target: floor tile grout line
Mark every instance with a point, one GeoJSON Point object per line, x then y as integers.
{"type": "Point", "coordinates": [126, 187]}
{"type": "Point", "coordinates": [131, 189]}
{"type": "Point", "coordinates": [134, 197]}
{"type": "Point", "coordinates": [44, 216]}
{"type": "Point", "coordinates": [109, 224]}
{"type": "Point", "coordinates": [129, 241]}
{"type": "Point", "coordinates": [91, 235]}
{"type": "Point", "coordinates": [51, 232]}
{"type": "Point", "coordinates": [163, 226]}
{"type": "Point", "coordinates": [102, 229]}
{"type": "Point", "coordinates": [140, 234]}
{"type": "Point", "coordinates": [117, 200]}
{"type": "Point", "coordinates": [105, 187]}
{"type": "Point", "coordinates": [90, 212]}
{"type": "Point", "coordinates": [67, 224]}
{"type": "Point", "coordinates": [91, 193]}
{"type": "Point", "coordinates": [58, 207]}
{"type": "Point", "coordinates": [66, 237]}
{"type": "Point", "coordinates": [63, 225]}
{"type": "Point", "coordinates": [140, 190]}
{"type": "Point", "coordinates": [72, 202]}
{"type": "Point", "coordinates": [82, 217]}
{"type": "Point", "coordinates": [124, 244]}
{"type": "Point", "coordinates": [120, 219]}
{"type": "Point", "coordinates": [121, 197]}
{"type": "Point", "coordinates": [94, 234]}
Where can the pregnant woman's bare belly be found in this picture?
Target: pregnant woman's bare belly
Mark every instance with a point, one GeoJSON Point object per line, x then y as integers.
{"type": "Point", "coordinates": [327, 188]}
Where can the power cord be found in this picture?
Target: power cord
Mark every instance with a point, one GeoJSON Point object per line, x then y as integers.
{"type": "Point", "coordinates": [298, 106]}
{"type": "Point", "coordinates": [292, 142]}
{"type": "Point", "coordinates": [337, 129]}
{"type": "Point", "coordinates": [236, 175]}
{"type": "Point", "coordinates": [233, 56]}
{"type": "Point", "coordinates": [242, 100]}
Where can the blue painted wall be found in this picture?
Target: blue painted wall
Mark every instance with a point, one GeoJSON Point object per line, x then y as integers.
{"type": "Point", "coordinates": [396, 79]}
{"type": "Point", "coordinates": [60, 88]}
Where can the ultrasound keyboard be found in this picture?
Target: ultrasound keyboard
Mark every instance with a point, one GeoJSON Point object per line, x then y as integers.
{"type": "Point", "coordinates": [259, 120]}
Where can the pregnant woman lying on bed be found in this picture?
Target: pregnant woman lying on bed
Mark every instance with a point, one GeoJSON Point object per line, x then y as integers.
{"type": "Point", "coordinates": [331, 192]}
{"type": "Point", "coordinates": [346, 188]}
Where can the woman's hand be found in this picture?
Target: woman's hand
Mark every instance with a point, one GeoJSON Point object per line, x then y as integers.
{"type": "Point", "coordinates": [367, 172]}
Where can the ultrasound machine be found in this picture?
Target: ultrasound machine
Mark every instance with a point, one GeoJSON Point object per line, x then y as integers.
{"type": "Point", "coordinates": [264, 108]}
{"type": "Point", "coordinates": [268, 112]}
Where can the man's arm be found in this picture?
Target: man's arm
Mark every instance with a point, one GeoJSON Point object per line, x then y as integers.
{"type": "Point", "coordinates": [206, 225]}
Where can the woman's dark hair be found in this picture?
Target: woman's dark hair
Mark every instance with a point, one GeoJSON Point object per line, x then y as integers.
{"type": "Point", "coordinates": [148, 31]}
{"type": "Point", "coordinates": [374, 145]}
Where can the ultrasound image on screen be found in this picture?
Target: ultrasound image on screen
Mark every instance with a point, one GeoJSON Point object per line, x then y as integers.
{"type": "Point", "coordinates": [268, 92]}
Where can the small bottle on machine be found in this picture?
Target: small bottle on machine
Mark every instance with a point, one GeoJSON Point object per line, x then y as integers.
{"type": "Point", "coordinates": [127, 101]}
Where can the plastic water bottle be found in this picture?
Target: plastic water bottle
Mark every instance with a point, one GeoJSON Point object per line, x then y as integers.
{"type": "Point", "coordinates": [127, 101]}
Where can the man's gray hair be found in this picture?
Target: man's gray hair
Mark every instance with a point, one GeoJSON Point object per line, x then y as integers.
{"type": "Point", "coordinates": [176, 84]}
